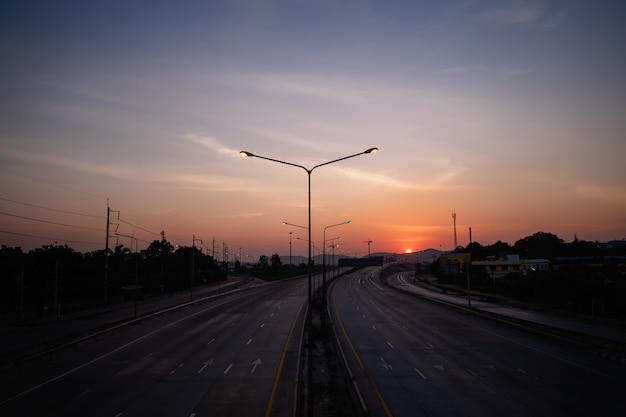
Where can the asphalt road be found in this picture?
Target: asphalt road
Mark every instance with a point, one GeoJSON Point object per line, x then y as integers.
{"type": "Point", "coordinates": [233, 356]}
{"type": "Point", "coordinates": [412, 357]}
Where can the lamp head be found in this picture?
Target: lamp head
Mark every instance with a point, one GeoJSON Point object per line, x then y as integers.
{"type": "Point", "coordinates": [371, 150]}
{"type": "Point", "coordinates": [246, 153]}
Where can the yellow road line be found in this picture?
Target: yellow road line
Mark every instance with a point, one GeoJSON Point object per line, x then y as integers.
{"type": "Point", "coordinates": [270, 402]}
{"type": "Point", "coordinates": [358, 359]}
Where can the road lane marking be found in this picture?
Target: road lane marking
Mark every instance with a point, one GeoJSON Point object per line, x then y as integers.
{"type": "Point", "coordinates": [119, 348]}
{"type": "Point", "coordinates": [249, 341]}
{"type": "Point", "coordinates": [474, 374]}
{"type": "Point", "coordinates": [174, 371]}
{"type": "Point", "coordinates": [419, 373]}
{"type": "Point", "coordinates": [385, 364]}
{"type": "Point", "coordinates": [255, 364]}
{"type": "Point", "coordinates": [429, 345]}
{"type": "Point", "coordinates": [390, 345]}
{"type": "Point", "coordinates": [211, 341]}
{"type": "Point", "coordinates": [228, 368]}
{"type": "Point", "coordinates": [281, 362]}
{"type": "Point", "coordinates": [205, 364]}
{"type": "Point", "coordinates": [379, 396]}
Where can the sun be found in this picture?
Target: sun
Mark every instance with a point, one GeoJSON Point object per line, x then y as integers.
{"type": "Point", "coordinates": [408, 251]}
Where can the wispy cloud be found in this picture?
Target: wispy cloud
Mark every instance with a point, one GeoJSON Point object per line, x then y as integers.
{"type": "Point", "coordinates": [211, 143]}
{"type": "Point", "coordinates": [381, 178]}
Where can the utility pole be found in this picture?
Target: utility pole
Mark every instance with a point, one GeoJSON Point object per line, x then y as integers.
{"type": "Point", "coordinates": [106, 256]}
{"type": "Point", "coordinates": [454, 221]}
{"type": "Point", "coordinates": [368, 241]}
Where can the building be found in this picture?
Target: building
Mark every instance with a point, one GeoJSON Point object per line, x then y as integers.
{"type": "Point", "coordinates": [501, 266]}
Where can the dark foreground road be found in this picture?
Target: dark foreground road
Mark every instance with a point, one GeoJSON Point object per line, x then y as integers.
{"type": "Point", "coordinates": [234, 356]}
{"type": "Point", "coordinates": [412, 357]}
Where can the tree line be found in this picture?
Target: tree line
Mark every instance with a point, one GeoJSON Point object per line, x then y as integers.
{"type": "Point", "coordinates": [57, 279]}
{"type": "Point", "coordinates": [584, 277]}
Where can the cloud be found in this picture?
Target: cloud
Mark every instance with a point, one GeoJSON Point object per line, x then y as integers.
{"type": "Point", "coordinates": [393, 182]}
{"type": "Point", "coordinates": [218, 183]}
{"type": "Point", "coordinates": [211, 143]}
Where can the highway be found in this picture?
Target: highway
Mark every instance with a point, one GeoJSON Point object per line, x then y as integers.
{"type": "Point", "coordinates": [232, 356]}
{"type": "Point", "coordinates": [413, 357]}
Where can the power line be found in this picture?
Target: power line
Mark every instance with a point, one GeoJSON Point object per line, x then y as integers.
{"type": "Point", "coordinates": [50, 222]}
{"type": "Point", "coordinates": [138, 227]}
{"type": "Point", "coordinates": [52, 209]}
{"type": "Point", "coordinates": [48, 238]}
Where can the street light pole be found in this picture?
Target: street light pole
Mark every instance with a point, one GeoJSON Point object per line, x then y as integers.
{"type": "Point", "coordinates": [290, 264]}
{"type": "Point", "coordinates": [324, 257]}
{"type": "Point", "coordinates": [310, 305]}
{"type": "Point", "coordinates": [290, 233]}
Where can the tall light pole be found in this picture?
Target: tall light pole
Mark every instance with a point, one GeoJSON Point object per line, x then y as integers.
{"type": "Point", "coordinates": [324, 257]}
{"type": "Point", "coordinates": [291, 233]}
{"type": "Point", "coordinates": [290, 264]}
{"type": "Point", "coordinates": [332, 262]}
{"type": "Point", "coordinates": [309, 171]}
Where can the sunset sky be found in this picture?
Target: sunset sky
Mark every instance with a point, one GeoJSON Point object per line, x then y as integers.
{"type": "Point", "coordinates": [511, 113]}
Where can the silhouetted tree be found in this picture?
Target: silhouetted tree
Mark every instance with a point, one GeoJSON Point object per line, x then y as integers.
{"type": "Point", "coordinates": [275, 261]}
{"type": "Point", "coordinates": [539, 245]}
{"type": "Point", "coordinates": [263, 261]}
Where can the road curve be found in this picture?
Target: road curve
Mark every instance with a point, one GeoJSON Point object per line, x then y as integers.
{"type": "Point", "coordinates": [412, 357]}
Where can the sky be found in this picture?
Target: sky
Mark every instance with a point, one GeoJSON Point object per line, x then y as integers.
{"type": "Point", "coordinates": [509, 113]}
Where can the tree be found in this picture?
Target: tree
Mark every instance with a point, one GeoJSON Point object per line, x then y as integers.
{"type": "Point", "coordinates": [263, 261]}
{"type": "Point", "coordinates": [539, 245]}
{"type": "Point", "coordinates": [159, 248]}
{"type": "Point", "coordinates": [275, 261]}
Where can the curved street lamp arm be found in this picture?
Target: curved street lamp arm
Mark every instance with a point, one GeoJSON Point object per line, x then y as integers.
{"type": "Point", "coordinates": [370, 150]}
{"type": "Point", "coordinates": [246, 153]}
{"type": "Point", "coordinates": [295, 225]}
{"type": "Point", "coordinates": [250, 154]}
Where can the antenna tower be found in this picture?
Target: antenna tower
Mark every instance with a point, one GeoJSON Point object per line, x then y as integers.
{"type": "Point", "coordinates": [454, 221]}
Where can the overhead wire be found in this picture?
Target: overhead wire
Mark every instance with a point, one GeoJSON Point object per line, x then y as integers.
{"type": "Point", "coordinates": [48, 238]}
{"type": "Point", "coordinates": [50, 222]}
{"type": "Point", "coordinates": [52, 209]}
